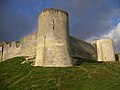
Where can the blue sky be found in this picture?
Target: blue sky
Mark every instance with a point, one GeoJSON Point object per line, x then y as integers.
{"type": "Point", "coordinates": [89, 19]}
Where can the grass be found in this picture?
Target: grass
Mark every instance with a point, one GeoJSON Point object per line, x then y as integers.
{"type": "Point", "coordinates": [86, 76]}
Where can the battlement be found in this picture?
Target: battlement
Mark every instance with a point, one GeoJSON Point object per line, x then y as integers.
{"type": "Point", "coordinates": [53, 10]}
{"type": "Point", "coordinates": [15, 44]}
{"type": "Point", "coordinates": [1, 43]}
{"type": "Point", "coordinates": [25, 47]}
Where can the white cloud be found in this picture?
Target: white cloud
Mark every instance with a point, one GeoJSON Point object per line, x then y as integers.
{"type": "Point", "coordinates": [115, 35]}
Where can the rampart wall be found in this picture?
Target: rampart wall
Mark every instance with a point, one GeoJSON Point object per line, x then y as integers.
{"type": "Point", "coordinates": [28, 45]}
{"type": "Point", "coordinates": [82, 49]}
{"type": "Point", "coordinates": [10, 50]}
{"type": "Point", "coordinates": [100, 50]}
{"type": "Point", "coordinates": [0, 53]}
{"type": "Point", "coordinates": [25, 47]}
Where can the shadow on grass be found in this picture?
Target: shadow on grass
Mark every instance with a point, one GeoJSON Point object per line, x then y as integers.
{"type": "Point", "coordinates": [78, 61]}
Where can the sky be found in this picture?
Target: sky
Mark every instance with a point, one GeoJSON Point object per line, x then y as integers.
{"type": "Point", "coordinates": [88, 19]}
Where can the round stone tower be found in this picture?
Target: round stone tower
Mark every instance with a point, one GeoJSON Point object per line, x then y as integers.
{"type": "Point", "coordinates": [52, 39]}
{"type": "Point", "coordinates": [105, 50]}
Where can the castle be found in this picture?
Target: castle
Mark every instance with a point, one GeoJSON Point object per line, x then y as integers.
{"type": "Point", "coordinates": [52, 46]}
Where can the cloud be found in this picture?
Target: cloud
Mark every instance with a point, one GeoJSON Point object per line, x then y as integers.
{"type": "Point", "coordinates": [114, 34]}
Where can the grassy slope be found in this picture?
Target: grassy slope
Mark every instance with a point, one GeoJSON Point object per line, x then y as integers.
{"type": "Point", "coordinates": [87, 76]}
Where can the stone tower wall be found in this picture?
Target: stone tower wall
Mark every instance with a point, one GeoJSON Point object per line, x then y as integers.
{"type": "Point", "coordinates": [105, 50]}
{"type": "Point", "coordinates": [52, 39]}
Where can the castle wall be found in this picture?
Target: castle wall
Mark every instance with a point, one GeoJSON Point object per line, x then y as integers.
{"type": "Point", "coordinates": [52, 39]}
{"type": "Point", "coordinates": [28, 45]}
{"type": "Point", "coordinates": [82, 49]}
{"type": "Point", "coordinates": [118, 57]}
{"type": "Point", "coordinates": [1, 53]}
{"type": "Point", "coordinates": [105, 50]}
{"type": "Point", "coordinates": [10, 50]}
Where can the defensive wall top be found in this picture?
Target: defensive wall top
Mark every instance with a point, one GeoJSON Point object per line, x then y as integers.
{"type": "Point", "coordinates": [104, 39]}
{"type": "Point", "coordinates": [53, 9]}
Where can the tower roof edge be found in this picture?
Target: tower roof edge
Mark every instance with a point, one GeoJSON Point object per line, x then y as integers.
{"type": "Point", "coordinates": [53, 9]}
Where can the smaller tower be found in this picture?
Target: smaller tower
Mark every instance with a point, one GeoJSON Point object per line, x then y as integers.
{"type": "Point", "coordinates": [105, 50]}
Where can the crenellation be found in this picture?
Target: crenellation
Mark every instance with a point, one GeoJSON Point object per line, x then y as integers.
{"type": "Point", "coordinates": [55, 10]}
{"type": "Point", "coordinates": [1, 43]}
{"type": "Point", "coordinates": [10, 50]}
{"type": "Point", "coordinates": [17, 44]}
{"type": "Point", "coordinates": [25, 47]}
{"type": "Point", "coordinates": [14, 44]}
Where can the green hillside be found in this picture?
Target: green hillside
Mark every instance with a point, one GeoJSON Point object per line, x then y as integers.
{"type": "Point", "coordinates": [87, 76]}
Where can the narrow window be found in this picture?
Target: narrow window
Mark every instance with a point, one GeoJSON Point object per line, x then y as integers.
{"type": "Point", "coordinates": [10, 44]}
{"type": "Point", "coordinates": [53, 24]}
